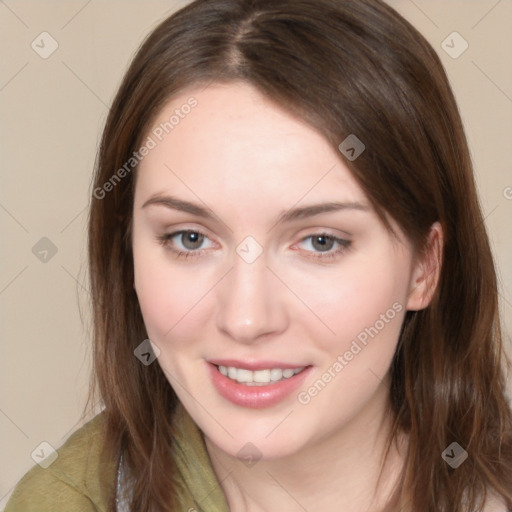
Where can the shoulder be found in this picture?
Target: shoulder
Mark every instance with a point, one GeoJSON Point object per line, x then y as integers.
{"type": "Point", "coordinates": [81, 479]}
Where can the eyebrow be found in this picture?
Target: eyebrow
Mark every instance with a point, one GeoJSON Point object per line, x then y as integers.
{"type": "Point", "coordinates": [287, 216]}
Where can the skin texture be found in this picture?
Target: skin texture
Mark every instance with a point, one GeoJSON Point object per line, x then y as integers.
{"type": "Point", "coordinates": [247, 160]}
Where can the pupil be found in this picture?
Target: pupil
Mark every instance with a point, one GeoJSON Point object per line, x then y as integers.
{"type": "Point", "coordinates": [192, 238]}
{"type": "Point", "coordinates": [322, 241]}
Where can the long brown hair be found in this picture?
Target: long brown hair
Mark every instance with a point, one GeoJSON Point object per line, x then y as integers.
{"type": "Point", "coordinates": [346, 67]}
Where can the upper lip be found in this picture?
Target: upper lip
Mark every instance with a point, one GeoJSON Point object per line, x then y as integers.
{"type": "Point", "coordinates": [255, 365]}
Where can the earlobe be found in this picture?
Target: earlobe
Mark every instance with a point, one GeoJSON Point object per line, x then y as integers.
{"type": "Point", "coordinates": [426, 271]}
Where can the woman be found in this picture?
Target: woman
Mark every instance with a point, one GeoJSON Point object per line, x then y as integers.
{"type": "Point", "coordinates": [284, 205]}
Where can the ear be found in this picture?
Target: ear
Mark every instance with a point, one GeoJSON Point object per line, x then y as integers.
{"type": "Point", "coordinates": [426, 271]}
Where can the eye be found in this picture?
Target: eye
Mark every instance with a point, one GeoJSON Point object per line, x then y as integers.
{"type": "Point", "coordinates": [322, 243]}
{"type": "Point", "coordinates": [190, 241]}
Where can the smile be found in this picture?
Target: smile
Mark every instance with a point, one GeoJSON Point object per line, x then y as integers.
{"type": "Point", "coordinates": [258, 377]}
{"type": "Point", "coordinates": [256, 388]}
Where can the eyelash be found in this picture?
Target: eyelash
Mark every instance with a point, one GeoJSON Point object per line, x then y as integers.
{"type": "Point", "coordinates": [165, 239]}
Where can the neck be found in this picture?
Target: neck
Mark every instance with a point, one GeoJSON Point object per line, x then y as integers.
{"type": "Point", "coordinates": [338, 472]}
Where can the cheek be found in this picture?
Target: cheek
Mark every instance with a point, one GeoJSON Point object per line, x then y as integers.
{"type": "Point", "coordinates": [357, 304]}
{"type": "Point", "coordinates": [156, 286]}
{"type": "Point", "coordinates": [154, 303]}
{"type": "Point", "coordinates": [365, 311]}
{"type": "Point", "coordinates": [171, 297]}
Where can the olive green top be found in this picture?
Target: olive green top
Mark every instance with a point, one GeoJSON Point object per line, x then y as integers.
{"type": "Point", "coordinates": [81, 479]}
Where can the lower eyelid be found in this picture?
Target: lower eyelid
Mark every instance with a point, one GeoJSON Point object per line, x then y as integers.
{"type": "Point", "coordinates": [340, 241]}
{"type": "Point", "coordinates": [343, 244]}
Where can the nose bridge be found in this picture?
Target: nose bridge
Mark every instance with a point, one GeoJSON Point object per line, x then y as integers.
{"type": "Point", "coordinates": [248, 304]}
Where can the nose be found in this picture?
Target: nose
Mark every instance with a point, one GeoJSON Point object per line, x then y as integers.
{"type": "Point", "coordinates": [250, 305]}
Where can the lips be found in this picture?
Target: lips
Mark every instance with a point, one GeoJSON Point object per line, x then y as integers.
{"type": "Point", "coordinates": [251, 396]}
{"type": "Point", "coordinates": [256, 365]}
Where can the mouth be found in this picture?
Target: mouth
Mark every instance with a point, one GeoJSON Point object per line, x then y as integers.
{"type": "Point", "coordinates": [258, 377]}
{"type": "Point", "coordinates": [256, 388]}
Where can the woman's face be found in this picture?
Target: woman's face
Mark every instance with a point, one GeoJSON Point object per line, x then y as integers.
{"type": "Point", "coordinates": [239, 270]}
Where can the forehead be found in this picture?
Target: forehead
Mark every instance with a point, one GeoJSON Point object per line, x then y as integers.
{"type": "Point", "coordinates": [235, 143]}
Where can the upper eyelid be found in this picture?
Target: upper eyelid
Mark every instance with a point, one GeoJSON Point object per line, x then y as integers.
{"type": "Point", "coordinates": [177, 232]}
{"type": "Point", "coordinates": [319, 232]}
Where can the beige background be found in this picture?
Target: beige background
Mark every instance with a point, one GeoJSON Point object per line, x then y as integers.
{"type": "Point", "coordinates": [52, 112]}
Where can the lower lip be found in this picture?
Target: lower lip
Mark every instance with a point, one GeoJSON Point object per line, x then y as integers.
{"type": "Point", "coordinates": [256, 397]}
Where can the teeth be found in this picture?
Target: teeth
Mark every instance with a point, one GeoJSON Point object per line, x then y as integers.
{"type": "Point", "coordinates": [258, 377]}
{"type": "Point", "coordinates": [243, 375]}
{"type": "Point", "coordinates": [276, 374]}
{"type": "Point", "coordinates": [261, 376]}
